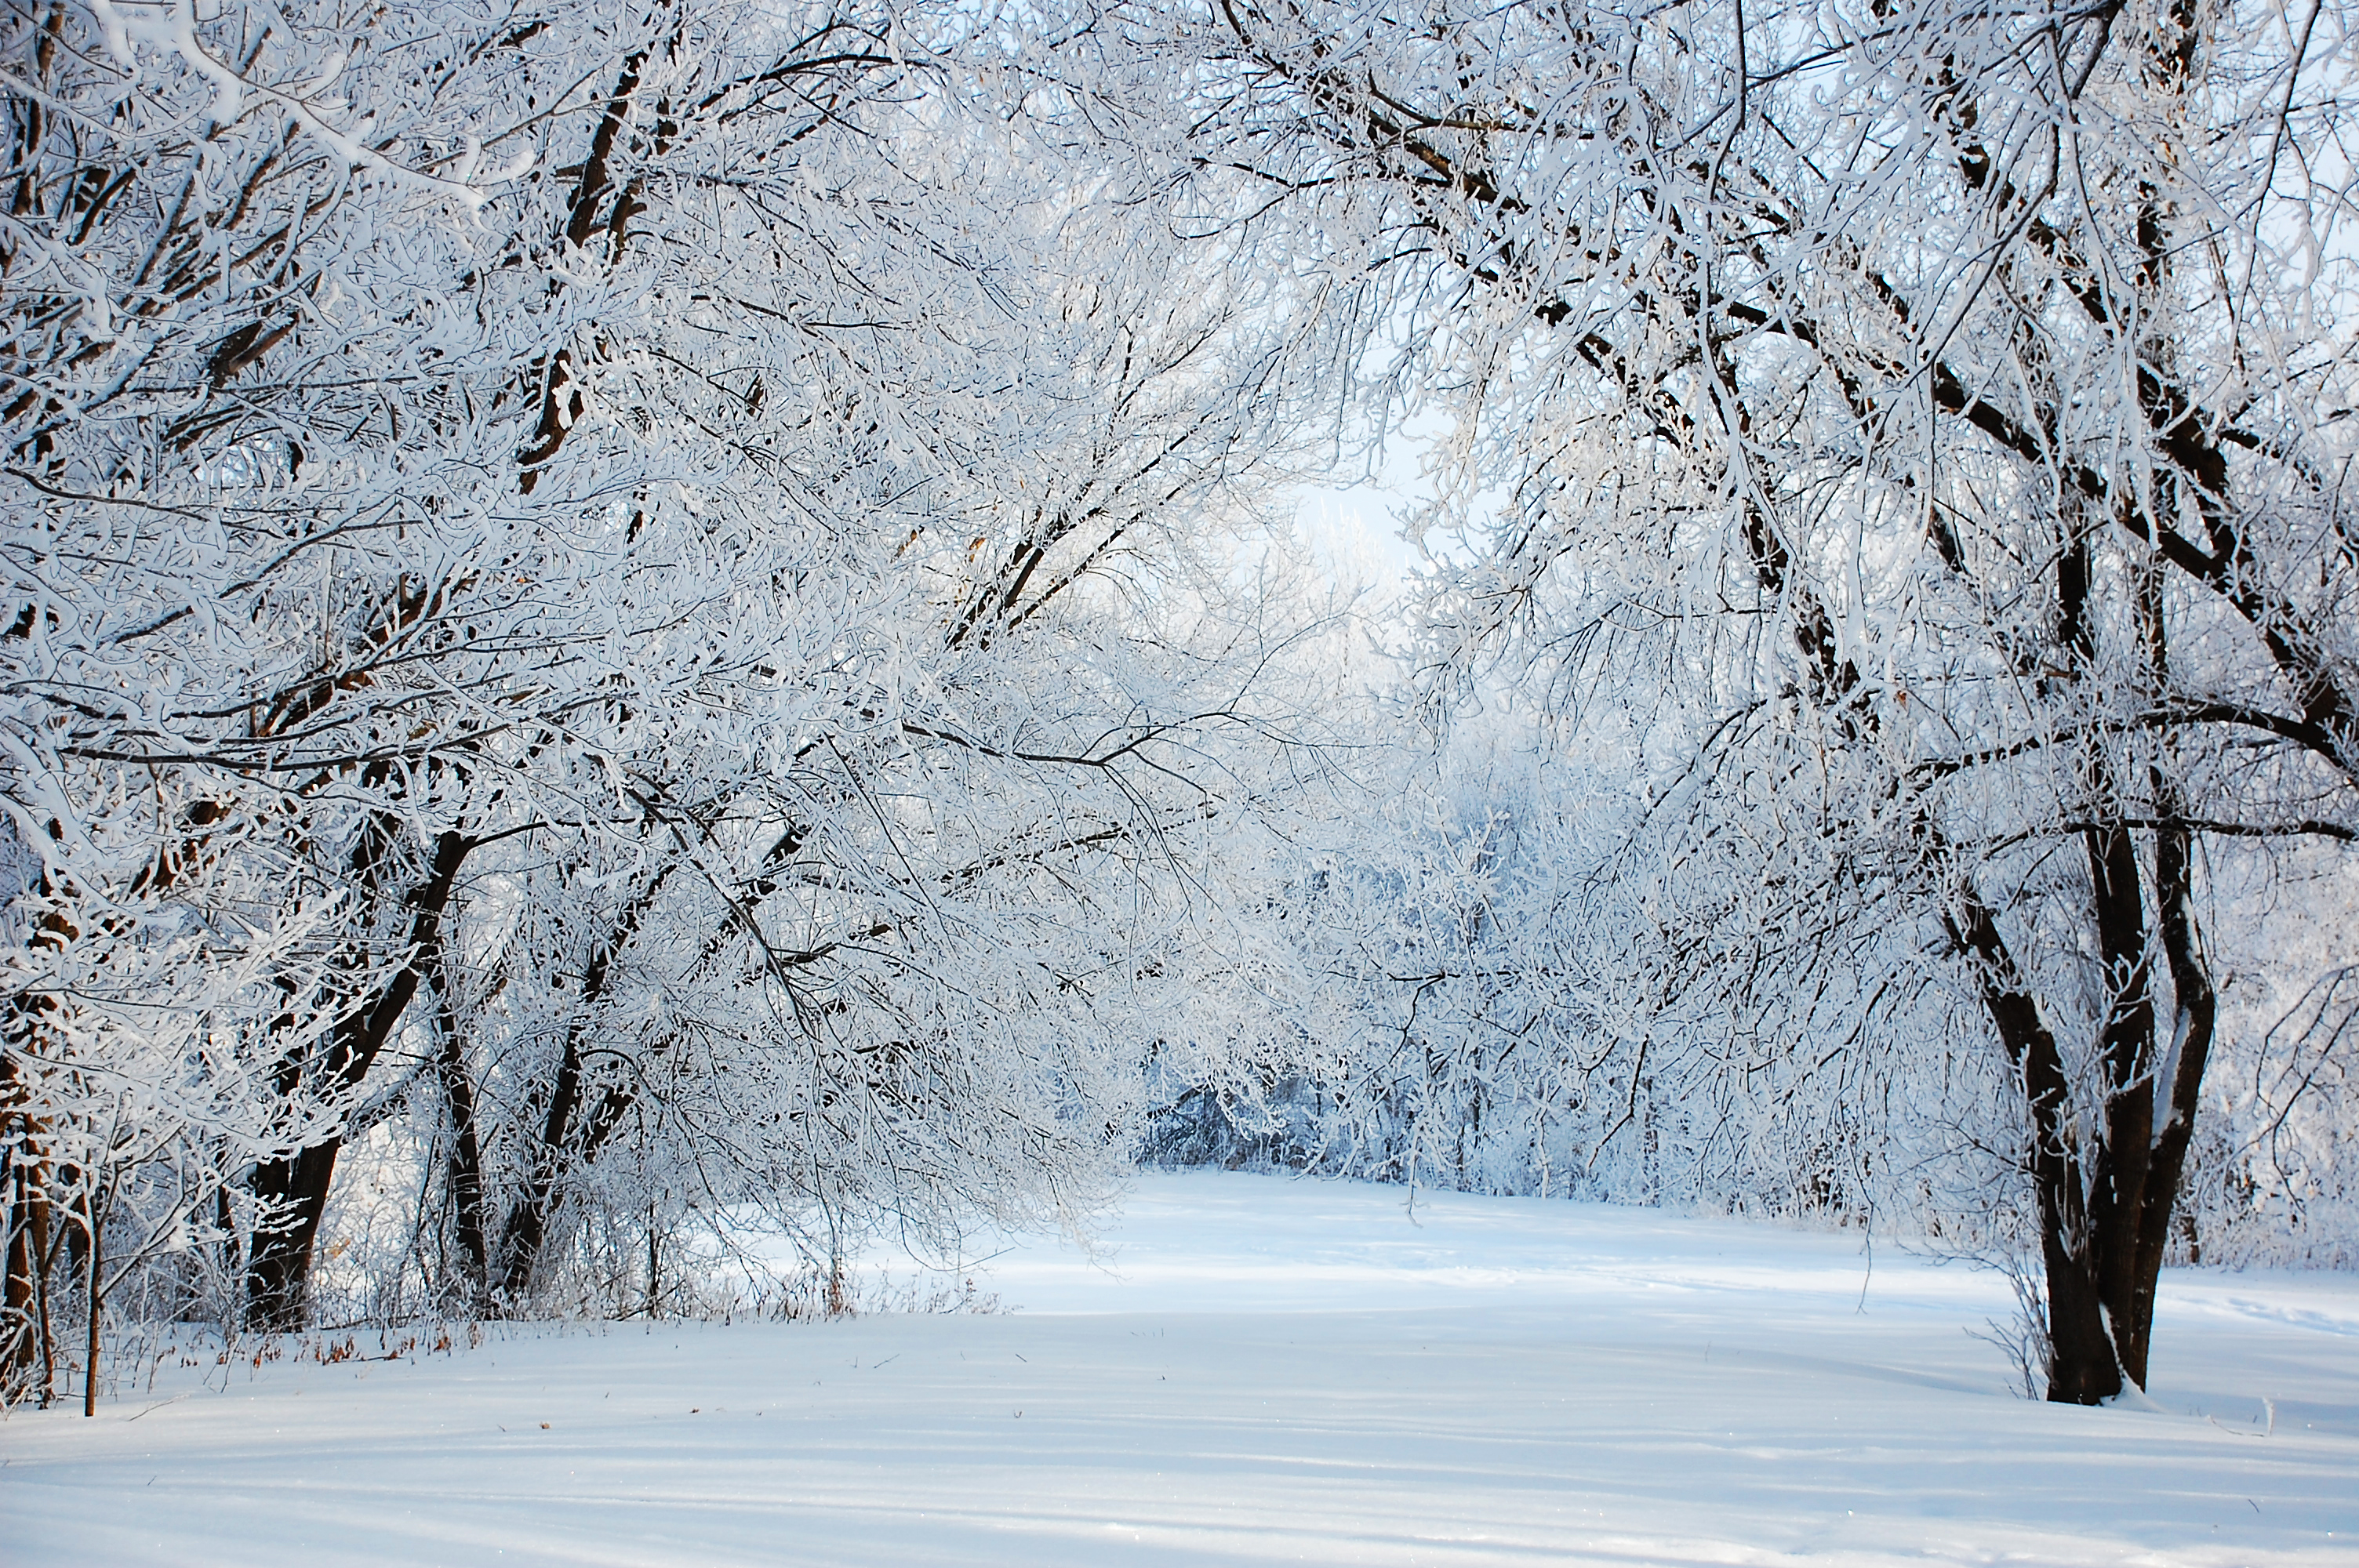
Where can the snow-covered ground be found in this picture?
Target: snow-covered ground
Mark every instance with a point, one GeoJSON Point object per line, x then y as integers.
{"type": "Point", "coordinates": [1274, 1371]}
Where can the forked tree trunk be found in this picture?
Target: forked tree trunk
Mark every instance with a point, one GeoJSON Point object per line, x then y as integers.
{"type": "Point", "coordinates": [2104, 1213]}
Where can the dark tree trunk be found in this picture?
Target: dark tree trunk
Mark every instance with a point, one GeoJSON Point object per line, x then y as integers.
{"type": "Point", "coordinates": [2081, 1365]}
{"type": "Point", "coordinates": [293, 1192]}
{"type": "Point", "coordinates": [525, 1234]}
{"type": "Point", "coordinates": [2102, 1274]}
{"type": "Point", "coordinates": [24, 1326]}
{"type": "Point", "coordinates": [2177, 1070]}
{"type": "Point", "coordinates": [97, 1279]}
{"type": "Point", "coordinates": [463, 1177]}
{"type": "Point", "coordinates": [2106, 1213]}
{"type": "Point", "coordinates": [293, 1195]}
{"type": "Point", "coordinates": [25, 1340]}
{"type": "Point", "coordinates": [466, 1174]}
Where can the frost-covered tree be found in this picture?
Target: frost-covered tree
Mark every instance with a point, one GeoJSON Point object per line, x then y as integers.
{"type": "Point", "coordinates": [1929, 420]}
{"type": "Point", "coordinates": [615, 577]}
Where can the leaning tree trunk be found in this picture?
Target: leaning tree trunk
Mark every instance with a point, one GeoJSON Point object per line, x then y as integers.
{"type": "Point", "coordinates": [563, 1142]}
{"type": "Point", "coordinates": [292, 1192]}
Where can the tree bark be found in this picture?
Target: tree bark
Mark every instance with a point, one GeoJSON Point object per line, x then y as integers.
{"type": "Point", "coordinates": [465, 1176]}
{"type": "Point", "coordinates": [24, 1357]}
{"type": "Point", "coordinates": [293, 1191]}
{"type": "Point", "coordinates": [2082, 1369]}
{"type": "Point", "coordinates": [526, 1233]}
{"type": "Point", "coordinates": [25, 1340]}
{"type": "Point", "coordinates": [97, 1278]}
{"type": "Point", "coordinates": [2105, 1228]}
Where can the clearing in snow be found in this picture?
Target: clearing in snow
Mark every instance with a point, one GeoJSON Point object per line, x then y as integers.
{"type": "Point", "coordinates": [1265, 1370]}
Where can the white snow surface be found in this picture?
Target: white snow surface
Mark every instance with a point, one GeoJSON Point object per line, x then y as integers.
{"type": "Point", "coordinates": [1261, 1369]}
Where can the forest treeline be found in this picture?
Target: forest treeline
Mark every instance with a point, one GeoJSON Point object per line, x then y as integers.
{"type": "Point", "coordinates": [638, 623]}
